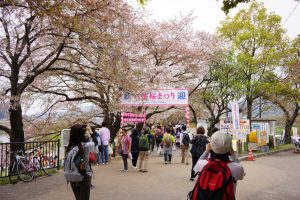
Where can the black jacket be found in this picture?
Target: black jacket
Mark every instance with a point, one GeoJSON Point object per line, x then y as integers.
{"type": "Point", "coordinates": [134, 143]}
{"type": "Point", "coordinates": [198, 145]}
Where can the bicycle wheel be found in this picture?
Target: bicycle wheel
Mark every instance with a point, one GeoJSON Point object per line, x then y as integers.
{"type": "Point", "coordinates": [12, 172]}
{"type": "Point", "coordinates": [25, 172]}
{"type": "Point", "coordinates": [43, 168]}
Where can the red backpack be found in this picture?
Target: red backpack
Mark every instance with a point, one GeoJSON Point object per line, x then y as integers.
{"type": "Point", "coordinates": [214, 183]}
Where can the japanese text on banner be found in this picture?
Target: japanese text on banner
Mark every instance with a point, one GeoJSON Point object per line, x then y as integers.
{"type": "Point", "coordinates": [166, 97]}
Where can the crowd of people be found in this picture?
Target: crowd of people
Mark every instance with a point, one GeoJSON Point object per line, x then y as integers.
{"type": "Point", "coordinates": [95, 147]}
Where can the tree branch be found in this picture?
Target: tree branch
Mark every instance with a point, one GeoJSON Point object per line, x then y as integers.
{"type": "Point", "coordinates": [6, 129]}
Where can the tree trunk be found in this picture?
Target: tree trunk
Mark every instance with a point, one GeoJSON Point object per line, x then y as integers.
{"type": "Point", "coordinates": [289, 124]}
{"type": "Point", "coordinates": [211, 129]}
{"type": "Point", "coordinates": [249, 110]}
{"type": "Point", "coordinates": [287, 129]}
{"type": "Point", "coordinates": [16, 123]}
{"type": "Point", "coordinates": [106, 116]}
{"type": "Point", "coordinates": [115, 125]}
{"type": "Point", "coordinates": [194, 120]}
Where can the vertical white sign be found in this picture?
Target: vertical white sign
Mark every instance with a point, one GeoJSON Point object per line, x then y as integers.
{"type": "Point", "coordinates": [295, 132]}
{"type": "Point", "coordinates": [235, 115]}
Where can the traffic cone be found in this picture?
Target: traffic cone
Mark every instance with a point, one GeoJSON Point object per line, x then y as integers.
{"type": "Point", "coordinates": [250, 155]}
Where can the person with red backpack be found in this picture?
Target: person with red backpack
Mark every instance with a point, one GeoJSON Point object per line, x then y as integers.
{"type": "Point", "coordinates": [218, 175]}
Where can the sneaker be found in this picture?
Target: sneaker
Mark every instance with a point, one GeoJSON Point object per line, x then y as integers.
{"type": "Point", "coordinates": [145, 171]}
{"type": "Point", "coordinates": [106, 163]}
{"type": "Point", "coordinates": [166, 162]}
{"type": "Point", "coordinates": [134, 167]}
{"type": "Point", "coordinates": [123, 170]}
{"type": "Point", "coordinates": [103, 163]}
{"type": "Point", "coordinates": [141, 170]}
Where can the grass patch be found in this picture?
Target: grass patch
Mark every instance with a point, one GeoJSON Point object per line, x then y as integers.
{"type": "Point", "coordinates": [256, 151]}
{"type": "Point", "coordinates": [5, 181]}
{"type": "Point", "coordinates": [282, 147]}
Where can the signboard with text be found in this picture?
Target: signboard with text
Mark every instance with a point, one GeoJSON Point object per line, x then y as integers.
{"type": "Point", "coordinates": [263, 131]}
{"type": "Point", "coordinates": [295, 132]}
{"type": "Point", "coordinates": [163, 97]}
{"type": "Point", "coordinates": [235, 115]}
{"type": "Point", "coordinates": [226, 125]}
{"type": "Point", "coordinates": [261, 138]}
{"type": "Point", "coordinates": [131, 117]}
{"type": "Point", "coordinates": [253, 137]}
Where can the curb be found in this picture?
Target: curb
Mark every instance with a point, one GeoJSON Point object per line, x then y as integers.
{"type": "Point", "coordinates": [244, 158]}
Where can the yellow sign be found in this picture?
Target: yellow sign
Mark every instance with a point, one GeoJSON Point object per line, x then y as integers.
{"type": "Point", "coordinates": [261, 138]}
{"type": "Point", "coordinates": [253, 137]}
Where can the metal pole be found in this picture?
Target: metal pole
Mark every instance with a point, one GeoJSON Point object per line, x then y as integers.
{"type": "Point", "coordinates": [58, 154]}
{"type": "Point", "coordinates": [260, 110]}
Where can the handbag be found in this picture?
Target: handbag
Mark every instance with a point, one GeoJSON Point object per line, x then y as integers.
{"type": "Point", "coordinates": [110, 151]}
{"type": "Point", "coordinates": [96, 150]}
{"type": "Point", "coordinates": [130, 156]}
{"type": "Point", "coordinates": [159, 151]}
{"type": "Point", "coordinates": [92, 157]}
{"type": "Point", "coordinates": [120, 150]}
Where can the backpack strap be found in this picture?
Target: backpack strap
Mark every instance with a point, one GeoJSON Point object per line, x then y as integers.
{"type": "Point", "coordinates": [226, 182]}
{"type": "Point", "coordinates": [70, 163]}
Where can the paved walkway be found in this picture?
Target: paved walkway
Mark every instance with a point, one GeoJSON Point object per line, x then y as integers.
{"type": "Point", "coordinates": [267, 178]}
{"type": "Point", "coordinates": [161, 182]}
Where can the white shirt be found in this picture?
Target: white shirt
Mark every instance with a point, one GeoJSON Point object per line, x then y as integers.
{"type": "Point", "coordinates": [104, 135]}
{"type": "Point", "coordinates": [181, 136]}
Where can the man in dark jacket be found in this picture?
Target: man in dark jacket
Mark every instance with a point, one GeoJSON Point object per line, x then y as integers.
{"type": "Point", "coordinates": [134, 147]}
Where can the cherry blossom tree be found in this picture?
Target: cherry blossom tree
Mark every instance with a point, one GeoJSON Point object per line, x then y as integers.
{"type": "Point", "coordinates": [34, 36]}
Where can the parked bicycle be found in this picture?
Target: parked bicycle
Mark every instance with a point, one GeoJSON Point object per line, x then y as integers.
{"type": "Point", "coordinates": [26, 167]}
{"type": "Point", "coordinates": [19, 168]}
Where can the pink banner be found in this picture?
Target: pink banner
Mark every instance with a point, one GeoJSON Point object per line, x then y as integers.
{"type": "Point", "coordinates": [134, 118]}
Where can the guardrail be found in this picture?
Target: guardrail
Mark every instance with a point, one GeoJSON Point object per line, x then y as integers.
{"type": "Point", "coordinates": [48, 149]}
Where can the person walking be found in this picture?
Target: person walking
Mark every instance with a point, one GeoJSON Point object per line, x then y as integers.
{"type": "Point", "coordinates": [158, 136]}
{"type": "Point", "coordinates": [198, 147]}
{"type": "Point", "coordinates": [125, 147]}
{"type": "Point", "coordinates": [177, 137]}
{"type": "Point", "coordinates": [152, 138]}
{"type": "Point", "coordinates": [117, 142]}
{"type": "Point", "coordinates": [144, 150]}
{"type": "Point", "coordinates": [167, 143]}
{"type": "Point", "coordinates": [217, 156]}
{"type": "Point", "coordinates": [81, 189]}
{"type": "Point", "coordinates": [96, 138]}
{"type": "Point", "coordinates": [134, 147]}
{"type": "Point", "coordinates": [184, 145]}
{"type": "Point", "coordinates": [105, 138]}
{"type": "Point", "coordinates": [99, 146]}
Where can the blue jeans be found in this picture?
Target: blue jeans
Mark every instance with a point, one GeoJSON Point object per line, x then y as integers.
{"type": "Point", "coordinates": [104, 154]}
